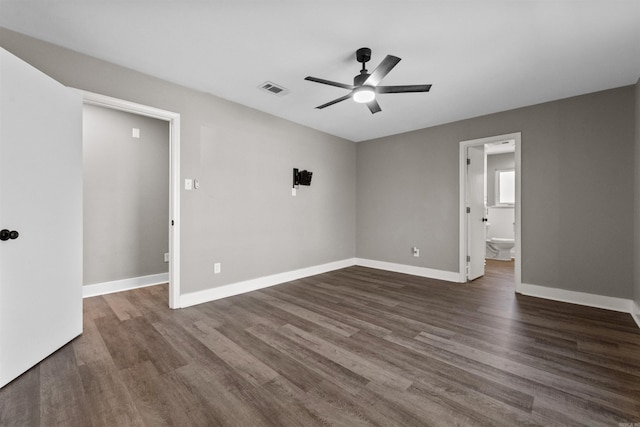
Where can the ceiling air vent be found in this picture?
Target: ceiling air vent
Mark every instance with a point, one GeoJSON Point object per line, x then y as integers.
{"type": "Point", "coordinates": [273, 88]}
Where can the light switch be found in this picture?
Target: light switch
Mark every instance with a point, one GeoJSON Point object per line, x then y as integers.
{"type": "Point", "coordinates": [135, 133]}
{"type": "Point", "coordinates": [188, 184]}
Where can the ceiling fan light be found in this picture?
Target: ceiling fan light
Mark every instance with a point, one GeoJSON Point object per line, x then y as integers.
{"type": "Point", "coordinates": [364, 94]}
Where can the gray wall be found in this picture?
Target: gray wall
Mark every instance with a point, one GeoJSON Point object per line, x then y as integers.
{"type": "Point", "coordinates": [126, 195]}
{"type": "Point", "coordinates": [497, 162]}
{"type": "Point", "coordinates": [577, 184]}
{"type": "Point", "coordinates": [636, 216]}
{"type": "Point", "coordinates": [243, 215]}
{"type": "Point", "coordinates": [577, 192]}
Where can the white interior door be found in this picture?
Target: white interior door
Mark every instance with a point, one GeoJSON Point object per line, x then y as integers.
{"type": "Point", "coordinates": [41, 199]}
{"type": "Point", "coordinates": [476, 219]}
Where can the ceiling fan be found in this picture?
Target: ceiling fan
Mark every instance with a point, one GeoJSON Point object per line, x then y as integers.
{"type": "Point", "coordinates": [365, 86]}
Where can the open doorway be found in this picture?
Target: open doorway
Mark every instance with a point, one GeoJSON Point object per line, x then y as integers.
{"type": "Point", "coordinates": [486, 193]}
{"type": "Point", "coordinates": [173, 224]}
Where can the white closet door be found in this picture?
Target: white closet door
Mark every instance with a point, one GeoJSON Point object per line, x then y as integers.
{"type": "Point", "coordinates": [41, 200]}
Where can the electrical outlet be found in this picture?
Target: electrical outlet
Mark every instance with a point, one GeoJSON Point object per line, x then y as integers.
{"type": "Point", "coordinates": [216, 268]}
{"type": "Point", "coordinates": [416, 251]}
{"type": "Point", "coordinates": [166, 257]}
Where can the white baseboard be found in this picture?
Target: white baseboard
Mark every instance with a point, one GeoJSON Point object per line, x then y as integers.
{"type": "Point", "coordinates": [449, 276]}
{"type": "Point", "coordinates": [193, 298]}
{"type": "Point", "coordinates": [213, 294]}
{"type": "Point", "coordinates": [123, 285]}
{"type": "Point", "coordinates": [186, 300]}
{"type": "Point", "coordinates": [635, 312]}
{"type": "Point", "coordinates": [580, 298]}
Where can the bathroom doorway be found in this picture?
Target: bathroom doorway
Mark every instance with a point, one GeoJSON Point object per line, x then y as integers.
{"type": "Point", "coordinates": [490, 192]}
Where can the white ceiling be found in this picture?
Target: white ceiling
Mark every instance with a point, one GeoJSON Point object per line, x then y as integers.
{"type": "Point", "coordinates": [500, 147]}
{"type": "Point", "coordinates": [481, 56]}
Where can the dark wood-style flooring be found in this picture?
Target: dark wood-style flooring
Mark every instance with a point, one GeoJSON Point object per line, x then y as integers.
{"type": "Point", "coordinates": [354, 347]}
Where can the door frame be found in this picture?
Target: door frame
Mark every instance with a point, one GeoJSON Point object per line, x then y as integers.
{"type": "Point", "coordinates": [517, 136]}
{"type": "Point", "coordinates": [174, 176]}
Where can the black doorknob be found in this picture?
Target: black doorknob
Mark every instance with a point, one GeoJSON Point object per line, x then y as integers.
{"type": "Point", "coordinates": [6, 235]}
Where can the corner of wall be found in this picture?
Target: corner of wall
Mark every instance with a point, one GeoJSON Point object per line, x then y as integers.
{"type": "Point", "coordinates": [635, 312]}
{"type": "Point", "coordinates": [636, 204]}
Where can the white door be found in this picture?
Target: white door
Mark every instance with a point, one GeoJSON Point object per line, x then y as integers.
{"type": "Point", "coordinates": [41, 199]}
{"type": "Point", "coordinates": [476, 218]}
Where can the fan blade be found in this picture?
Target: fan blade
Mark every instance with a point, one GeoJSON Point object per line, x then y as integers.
{"type": "Point", "coordinates": [403, 88]}
{"type": "Point", "coordinates": [329, 82]}
{"type": "Point", "coordinates": [374, 107]}
{"type": "Point", "coordinates": [382, 70]}
{"type": "Point", "coordinates": [335, 101]}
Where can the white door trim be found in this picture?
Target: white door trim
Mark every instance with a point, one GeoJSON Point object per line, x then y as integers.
{"type": "Point", "coordinates": [174, 179]}
{"type": "Point", "coordinates": [517, 136]}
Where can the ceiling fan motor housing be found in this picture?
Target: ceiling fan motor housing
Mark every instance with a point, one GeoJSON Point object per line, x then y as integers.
{"type": "Point", "coordinates": [363, 54]}
{"type": "Point", "coordinates": [360, 79]}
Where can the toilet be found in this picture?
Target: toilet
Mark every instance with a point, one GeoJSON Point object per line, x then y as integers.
{"type": "Point", "coordinates": [500, 248]}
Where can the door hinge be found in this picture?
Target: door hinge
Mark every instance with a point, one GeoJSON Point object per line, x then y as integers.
{"type": "Point", "coordinates": [468, 161]}
{"type": "Point", "coordinates": [468, 209]}
{"type": "Point", "coordinates": [468, 258]}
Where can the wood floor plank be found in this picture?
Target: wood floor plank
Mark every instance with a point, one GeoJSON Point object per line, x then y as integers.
{"type": "Point", "coordinates": [366, 297]}
{"type": "Point", "coordinates": [327, 312]}
{"type": "Point", "coordinates": [579, 370]}
{"type": "Point", "coordinates": [431, 368]}
{"type": "Point", "coordinates": [146, 394]}
{"type": "Point", "coordinates": [146, 303]}
{"type": "Point", "coordinates": [93, 308]}
{"type": "Point", "coordinates": [288, 368]}
{"type": "Point", "coordinates": [62, 397]}
{"type": "Point", "coordinates": [346, 358]}
{"type": "Point", "coordinates": [363, 406]}
{"type": "Point", "coordinates": [515, 375]}
{"type": "Point", "coordinates": [559, 378]}
{"type": "Point", "coordinates": [430, 413]}
{"type": "Point", "coordinates": [292, 401]}
{"type": "Point", "coordinates": [226, 407]}
{"type": "Point", "coordinates": [352, 347]}
{"type": "Point", "coordinates": [248, 366]}
{"type": "Point", "coordinates": [162, 399]}
{"type": "Point", "coordinates": [309, 315]}
{"type": "Point", "coordinates": [158, 351]}
{"type": "Point", "coordinates": [187, 345]}
{"type": "Point", "coordinates": [20, 400]}
{"type": "Point", "coordinates": [90, 347]}
{"type": "Point", "coordinates": [124, 348]}
{"type": "Point", "coordinates": [318, 364]}
{"type": "Point", "coordinates": [121, 306]}
{"type": "Point", "coordinates": [107, 397]}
